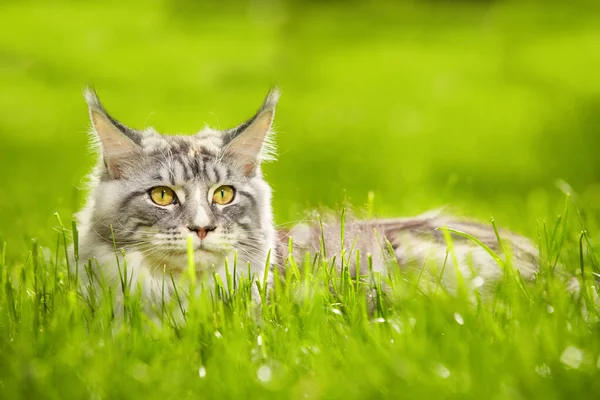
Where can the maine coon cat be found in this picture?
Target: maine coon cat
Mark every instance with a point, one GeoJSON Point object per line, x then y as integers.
{"type": "Point", "coordinates": [149, 192]}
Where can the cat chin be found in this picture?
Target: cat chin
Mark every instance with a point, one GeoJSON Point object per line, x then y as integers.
{"type": "Point", "coordinates": [203, 259]}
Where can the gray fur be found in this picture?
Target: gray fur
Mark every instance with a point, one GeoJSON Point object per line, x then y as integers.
{"type": "Point", "coordinates": [154, 237]}
{"type": "Point", "coordinates": [416, 243]}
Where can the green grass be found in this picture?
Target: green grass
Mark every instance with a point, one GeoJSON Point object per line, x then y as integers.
{"type": "Point", "coordinates": [320, 333]}
{"type": "Point", "coordinates": [489, 106]}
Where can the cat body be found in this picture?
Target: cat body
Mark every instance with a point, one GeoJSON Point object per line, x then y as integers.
{"type": "Point", "coordinates": [415, 243]}
{"type": "Point", "coordinates": [152, 195]}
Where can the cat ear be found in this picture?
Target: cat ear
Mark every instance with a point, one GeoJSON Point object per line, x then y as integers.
{"type": "Point", "coordinates": [117, 141]}
{"type": "Point", "coordinates": [250, 142]}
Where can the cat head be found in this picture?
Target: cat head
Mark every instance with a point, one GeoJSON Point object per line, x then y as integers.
{"type": "Point", "coordinates": [152, 191]}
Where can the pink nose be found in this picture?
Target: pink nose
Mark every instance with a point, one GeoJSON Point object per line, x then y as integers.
{"type": "Point", "coordinates": [203, 232]}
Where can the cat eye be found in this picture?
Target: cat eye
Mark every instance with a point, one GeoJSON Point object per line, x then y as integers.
{"type": "Point", "coordinates": [163, 196]}
{"type": "Point", "coordinates": [223, 195]}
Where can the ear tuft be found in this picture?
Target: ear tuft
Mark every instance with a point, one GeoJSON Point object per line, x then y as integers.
{"type": "Point", "coordinates": [271, 100]}
{"type": "Point", "coordinates": [250, 143]}
{"type": "Point", "coordinates": [91, 98]}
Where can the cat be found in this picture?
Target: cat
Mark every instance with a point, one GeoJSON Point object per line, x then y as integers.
{"type": "Point", "coordinates": [149, 192]}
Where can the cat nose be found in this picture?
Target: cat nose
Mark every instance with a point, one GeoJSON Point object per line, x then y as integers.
{"type": "Point", "coordinates": [203, 231]}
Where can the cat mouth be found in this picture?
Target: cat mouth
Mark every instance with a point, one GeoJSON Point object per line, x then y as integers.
{"type": "Point", "coordinates": [204, 249]}
{"type": "Point", "coordinates": [197, 250]}
{"type": "Point", "coordinates": [210, 250]}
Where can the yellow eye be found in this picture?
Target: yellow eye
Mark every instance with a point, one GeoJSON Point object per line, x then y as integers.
{"type": "Point", "coordinates": [163, 196]}
{"type": "Point", "coordinates": [224, 195]}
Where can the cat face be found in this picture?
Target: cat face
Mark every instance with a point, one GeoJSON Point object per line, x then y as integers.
{"type": "Point", "coordinates": [154, 191]}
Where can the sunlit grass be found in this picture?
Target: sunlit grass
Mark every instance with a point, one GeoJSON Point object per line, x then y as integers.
{"type": "Point", "coordinates": [320, 332]}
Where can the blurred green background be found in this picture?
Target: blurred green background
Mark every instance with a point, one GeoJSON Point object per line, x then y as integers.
{"type": "Point", "coordinates": [482, 105]}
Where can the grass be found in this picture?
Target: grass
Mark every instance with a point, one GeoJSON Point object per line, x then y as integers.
{"type": "Point", "coordinates": [320, 333]}
{"type": "Point", "coordinates": [491, 107]}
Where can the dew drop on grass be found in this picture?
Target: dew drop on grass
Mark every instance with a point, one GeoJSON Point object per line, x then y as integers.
{"type": "Point", "coordinates": [379, 320]}
{"type": "Point", "coordinates": [202, 372]}
{"type": "Point", "coordinates": [264, 374]}
{"type": "Point", "coordinates": [336, 311]}
{"type": "Point", "coordinates": [550, 309]}
{"type": "Point", "coordinates": [259, 340]}
{"type": "Point", "coordinates": [218, 335]}
{"type": "Point", "coordinates": [459, 319]}
{"type": "Point", "coordinates": [478, 282]}
{"type": "Point", "coordinates": [543, 370]}
{"type": "Point", "coordinates": [572, 357]}
{"type": "Point", "coordinates": [442, 371]}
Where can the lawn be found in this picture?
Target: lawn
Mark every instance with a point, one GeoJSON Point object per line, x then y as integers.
{"type": "Point", "coordinates": [490, 107]}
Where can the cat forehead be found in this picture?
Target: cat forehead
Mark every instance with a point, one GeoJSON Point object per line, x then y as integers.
{"type": "Point", "coordinates": [206, 142]}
